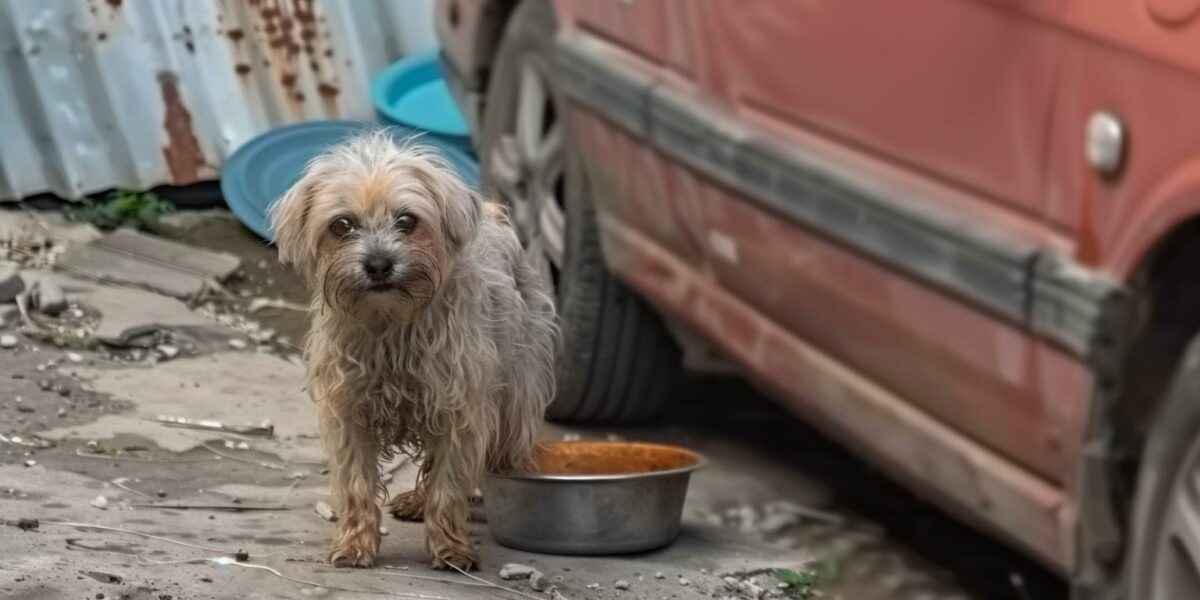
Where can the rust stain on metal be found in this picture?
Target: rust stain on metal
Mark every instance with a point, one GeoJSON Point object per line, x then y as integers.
{"type": "Point", "coordinates": [182, 153]}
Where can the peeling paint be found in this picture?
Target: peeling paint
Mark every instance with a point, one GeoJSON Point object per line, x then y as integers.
{"type": "Point", "coordinates": [182, 153]}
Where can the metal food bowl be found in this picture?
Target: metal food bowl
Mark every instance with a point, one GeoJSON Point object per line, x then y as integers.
{"type": "Point", "coordinates": [592, 498]}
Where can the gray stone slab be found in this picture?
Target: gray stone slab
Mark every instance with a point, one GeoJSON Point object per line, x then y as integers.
{"type": "Point", "coordinates": [129, 257]}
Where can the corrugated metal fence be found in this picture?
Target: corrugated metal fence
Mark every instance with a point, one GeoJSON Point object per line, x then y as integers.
{"type": "Point", "coordinates": [96, 94]}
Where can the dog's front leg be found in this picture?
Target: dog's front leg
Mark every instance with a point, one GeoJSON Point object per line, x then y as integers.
{"type": "Point", "coordinates": [455, 465]}
{"type": "Point", "coordinates": [354, 479]}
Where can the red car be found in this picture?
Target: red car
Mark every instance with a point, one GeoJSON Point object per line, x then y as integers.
{"type": "Point", "coordinates": [960, 234]}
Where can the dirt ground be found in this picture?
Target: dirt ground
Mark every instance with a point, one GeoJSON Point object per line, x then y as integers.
{"type": "Point", "coordinates": [84, 452]}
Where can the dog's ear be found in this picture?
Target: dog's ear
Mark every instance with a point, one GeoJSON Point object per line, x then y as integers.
{"type": "Point", "coordinates": [289, 219]}
{"type": "Point", "coordinates": [460, 207]}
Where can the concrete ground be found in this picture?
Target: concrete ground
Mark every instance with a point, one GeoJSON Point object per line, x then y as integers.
{"type": "Point", "coordinates": [85, 454]}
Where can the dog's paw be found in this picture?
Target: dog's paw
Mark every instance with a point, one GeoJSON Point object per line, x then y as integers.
{"type": "Point", "coordinates": [462, 558]}
{"type": "Point", "coordinates": [347, 556]}
{"type": "Point", "coordinates": [409, 506]}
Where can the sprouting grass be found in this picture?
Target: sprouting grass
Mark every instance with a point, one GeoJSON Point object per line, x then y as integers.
{"type": "Point", "coordinates": [801, 585]}
{"type": "Point", "coordinates": [125, 208]}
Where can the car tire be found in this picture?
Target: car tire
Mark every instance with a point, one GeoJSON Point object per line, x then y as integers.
{"type": "Point", "coordinates": [1163, 561]}
{"type": "Point", "coordinates": [616, 361]}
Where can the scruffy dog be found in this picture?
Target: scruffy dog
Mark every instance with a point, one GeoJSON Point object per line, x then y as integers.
{"type": "Point", "coordinates": [431, 335]}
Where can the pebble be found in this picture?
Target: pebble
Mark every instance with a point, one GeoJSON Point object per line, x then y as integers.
{"type": "Point", "coordinates": [167, 351]}
{"type": "Point", "coordinates": [621, 584]}
{"type": "Point", "coordinates": [684, 581]}
{"type": "Point", "coordinates": [593, 586]}
{"type": "Point", "coordinates": [30, 463]}
{"type": "Point", "coordinates": [538, 581]}
{"type": "Point", "coordinates": [659, 575]}
{"type": "Point", "coordinates": [513, 571]}
{"type": "Point", "coordinates": [8, 340]}
{"type": "Point", "coordinates": [325, 511]}
{"type": "Point", "coordinates": [49, 298]}
{"type": "Point", "coordinates": [75, 357]}
{"type": "Point", "coordinates": [237, 344]}
{"type": "Point", "coordinates": [62, 412]}
{"type": "Point", "coordinates": [100, 502]}
{"type": "Point", "coordinates": [25, 409]}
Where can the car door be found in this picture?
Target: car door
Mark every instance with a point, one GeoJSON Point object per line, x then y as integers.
{"type": "Point", "coordinates": [887, 187]}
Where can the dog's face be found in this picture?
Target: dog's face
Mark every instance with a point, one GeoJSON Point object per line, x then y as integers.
{"type": "Point", "coordinates": [375, 224]}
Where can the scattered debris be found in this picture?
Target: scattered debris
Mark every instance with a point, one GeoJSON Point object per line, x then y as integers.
{"type": "Point", "coordinates": [512, 571]}
{"type": "Point", "coordinates": [100, 502]}
{"type": "Point", "coordinates": [325, 511]}
{"type": "Point", "coordinates": [130, 257]}
{"type": "Point", "coordinates": [31, 442]}
{"type": "Point", "coordinates": [538, 581]}
{"type": "Point", "coordinates": [621, 584]}
{"type": "Point", "coordinates": [264, 430]}
{"type": "Point", "coordinates": [8, 340]}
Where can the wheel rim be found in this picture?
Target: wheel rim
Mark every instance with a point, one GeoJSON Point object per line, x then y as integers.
{"type": "Point", "coordinates": [1175, 567]}
{"type": "Point", "coordinates": [526, 168]}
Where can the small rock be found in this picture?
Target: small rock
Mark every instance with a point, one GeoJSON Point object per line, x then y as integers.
{"type": "Point", "coordinates": [8, 340]}
{"type": "Point", "coordinates": [11, 284]}
{"type": "Point", "coordinates": [593, 586]}
{"type": "Point", "coordinates": [325, 511]}
{"type": "Point", "coordinates": [167, 351]}
{"type": "Point", "coordinates": [25, 409]}
{"type": "Point", "coordinates": [242, 446]}
{"type": "Point", "coordinates": [161, 493]}
{"type": "Point", "coordinates": [621, 584]}
{"type": "Point", "coordinates": [731, 583]}
{"type": "Point", "coordinates": [512, 571]}
{"type": "Point", "coordinates": [62, 412]}
{"type": "Point", "coordinates": [100, 502]}
{"type": "Point", "coordinates": [383, 530]}
{"type": "Point", "coordinates": [30, 463]}
{"type": "Point", "coordinates": [237, 344]}
{"type": "Point", "coordinates": [659, 575]}
{"type": "Point", "coordinates": [538, 581]}
{"type": "Point", "coordinates": [48, 298]}
{"type": "Point", "coordinates": [75, 357]}
{"type": "Point", "coordinates": [43, 385]}
{"type": "Point", "coordinates": [684, 581]}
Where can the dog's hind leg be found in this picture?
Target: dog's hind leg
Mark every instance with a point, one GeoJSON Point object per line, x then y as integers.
{"type": "Point", "coordinates": [354, 481]}
{"type": "Point", "coordinates": [455, 465]}
{"type": "Point", "coordinates": [410, 505]}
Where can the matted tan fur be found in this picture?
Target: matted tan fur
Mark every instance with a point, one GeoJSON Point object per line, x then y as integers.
{"type": "Point", "coordinates": [431, 335]}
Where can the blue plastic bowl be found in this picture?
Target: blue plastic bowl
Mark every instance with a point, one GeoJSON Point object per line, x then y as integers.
{"type": "Point", "coordinates": [264, 168]}
{"type": "Point", "coordinates": [413, 92]}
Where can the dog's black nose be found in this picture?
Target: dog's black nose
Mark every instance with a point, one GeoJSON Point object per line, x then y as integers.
{"type": "Point", "coordinates": [378, 268]}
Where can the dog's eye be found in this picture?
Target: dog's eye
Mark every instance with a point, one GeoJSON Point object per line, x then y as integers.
{"type": "Point", "coordinates": [342, 226]}
{"type": "Point", "coordinates": [406, 223]}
